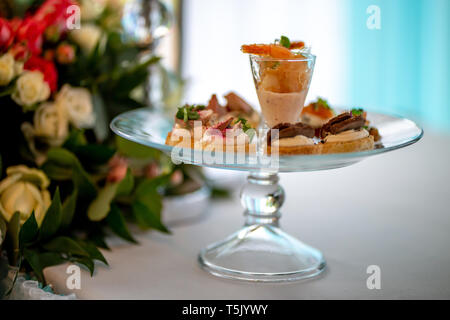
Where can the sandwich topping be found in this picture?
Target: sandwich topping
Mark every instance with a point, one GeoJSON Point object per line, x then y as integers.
{"type": "Point", "coordinates": [287, 134]}
{"type": "Point", "coordinates": [347, 126]}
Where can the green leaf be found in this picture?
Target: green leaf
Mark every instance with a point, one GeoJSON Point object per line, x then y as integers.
{"type": "Point", "coordinates": [76, 138]}
{"type": "Point", "coordinates": [132, 77]}
{"type": "Point", "coordinates": [62, 157]}
{"type": "Point", "coordinates": [285, 42]}
{"type": "Point", "coordinates": [101, 127]}
{"type": "Point", "coordinates": [83, 182]}
{"type": "Point", "coordinates": [5, 285]}
{"type": "Point", "coordinates": [57, 172]}
{"type": "Point", "coordinates": [357, 111]}
{"type": "Point", "coordinates": [87, 262]}
{"type": "Point", "coordinates": [153, 202]}
{"type": "Point", "coordinates": [126, 185]}
{"type": "Point", "coordinates": [220, 193]}
{"type": "Point", "coordinates": [147, 193]}
{"type": "Point", "coordinates": [93, 251]}
{"type": "Point", "coordinates": [146, 218]}
{"type": "Point", "coordinates": [99, 208]}
{"type": "Point", "coordinates": [118, 225]}
{"type": "Point", "coordinates": [94, 153]}
{"type": "Point", "coordinates": [323, 102]}
{"type": "Point", "coordinates": [52, 219]}
{"type": "Point", "coordinates": [68, 209]}
{"type": "Point", "coordinates": [39, 261]}
{"type": "Point", "coordinates": [29, 231]}
{"type": "Point", "coordinates": [2, 231]}
{"type": "Point", "coordinates": [62, 164]}
{"type": "Point", "coordinates": [96, 236]}
{"type": "Point", "coordinates": [12, 239]}
{"type": "Point", "coordinates": [149, 186]}
{"type": "Point", "coordinates": [87, 153]}
{"type": "Point", "coordinates": [135, 150]}
{"type": "Point", "coordinates": [65, 245]}
{"type": "Point", "coordinates": [8, 90]}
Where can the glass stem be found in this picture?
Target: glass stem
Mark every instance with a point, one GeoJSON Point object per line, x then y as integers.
{"type": "Point", "coordinates": [262, 197]}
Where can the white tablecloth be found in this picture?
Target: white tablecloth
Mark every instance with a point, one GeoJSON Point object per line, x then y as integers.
{"type": "Point", "coordinates": [391, 210]}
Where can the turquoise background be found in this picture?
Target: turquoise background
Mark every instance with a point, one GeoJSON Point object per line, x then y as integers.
{"type": "Point", "coordinates": [404, 67]}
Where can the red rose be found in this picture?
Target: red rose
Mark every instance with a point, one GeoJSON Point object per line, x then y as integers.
{"type": "Point", "coordinates": [15, 23]}
{"type": "Point", "coordinates": [6, 34]}
{"type": "Point", "coordinates": [46, 67]}
{"type": "Point", "coordinates": [20, 52]}
{"type": "Point", "coordinates": [54, 13]}
{"type": "Point", "coordinates": [30, 33]}
{"type": "Point", "coordinates": [51, 13]}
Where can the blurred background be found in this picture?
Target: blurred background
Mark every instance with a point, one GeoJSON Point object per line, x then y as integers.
{"type": "Point", "coordinates": [398, 63]}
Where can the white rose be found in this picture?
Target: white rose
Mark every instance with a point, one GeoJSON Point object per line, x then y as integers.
{"type": "Point", "coordinates": [18, 68]}
{"type": "Point", "coordinates": [86, 37]}
{"type": "Point", "coordinates": [116, 4]}
{"type": "Point", "coordinates": [92, 9]}
{"type": "Point", "coordinates": [31, 89]}
{"type": "Point", "coordinates": [24, 190]}
{"type": "Point", "coordinates": [77, 104]}
{"type": "Point", "coordinates": [50, 122]}
{"type": "Point", "coordinates": [6, 69]}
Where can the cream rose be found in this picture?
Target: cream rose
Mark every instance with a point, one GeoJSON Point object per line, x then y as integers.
{"type": "Point", "coordinates": [87, 36]}
{"type": "Point", "coordinates": [77, 104]}
{"type": "Point", "coordinates": [50, 122]}
{"type": "Point", "coordinates": [18, 68]}
{"type": "Point", "coordinates": [116, 4]}
{"type": "Point", "coordinates": [6, 69]}
{"type": "Point", "coordinates": [24, 190]}
{"type": "Point", "coordinates": [92, 9]}
{"type": "Point", "coordinates": [31, 89]}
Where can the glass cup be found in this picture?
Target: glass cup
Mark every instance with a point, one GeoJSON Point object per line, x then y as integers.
{"type": "Point", "coordinates": [282, 86]}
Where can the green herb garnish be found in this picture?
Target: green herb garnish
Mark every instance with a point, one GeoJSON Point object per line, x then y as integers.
{"type": "Point", "coordinates": [275, 65]}
{"type": "Point", "coordinates": [246, 127]}
{"type": "Point", "coordinates": [321, 102]}
{"type": "Point", "coordinates": [357, 111]}
{"type": "Point", "coordinates": [285, 42]}
{"type": "Point", "coordinates": [189, 112]}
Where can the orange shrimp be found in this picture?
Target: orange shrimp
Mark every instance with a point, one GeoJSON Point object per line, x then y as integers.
{"type": "Point", "coordinates": [318, 110]}
{"type": "Point", "coordinates": [297, 45]}
{"type": "Point", "coordinates": [273, 50]}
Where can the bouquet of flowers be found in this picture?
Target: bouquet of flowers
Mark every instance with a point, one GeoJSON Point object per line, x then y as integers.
{"type": "Point", "coordinates": [65, 180]}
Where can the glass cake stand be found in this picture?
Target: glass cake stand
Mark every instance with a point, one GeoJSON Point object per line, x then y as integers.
{"type": "Point", "coordinates": [261, 251]}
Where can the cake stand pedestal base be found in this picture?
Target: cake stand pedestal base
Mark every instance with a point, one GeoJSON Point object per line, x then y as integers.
{"type": "Point", "coordinates": [261, 251]}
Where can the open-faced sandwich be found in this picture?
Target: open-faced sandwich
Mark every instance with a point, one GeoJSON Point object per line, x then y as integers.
{"type": "Point", "coordinates": [236, 107]}
{"type": "Point", "coordinates": [227, 128]}
{"type": "Point", "coordinates": [346, 132]}
{"type": "Point", "coordinates": [287, 138]}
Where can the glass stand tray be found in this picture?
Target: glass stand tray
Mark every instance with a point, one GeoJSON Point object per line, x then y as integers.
{"type": "Point", "coordinates": [261, 251]}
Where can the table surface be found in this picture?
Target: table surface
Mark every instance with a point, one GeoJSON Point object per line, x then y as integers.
{"type": "Point", "coordinates": [390, 210]}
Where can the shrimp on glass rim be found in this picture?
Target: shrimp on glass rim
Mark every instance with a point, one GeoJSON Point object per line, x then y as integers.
{"type": "Point", "coordinates": [277, 50]}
